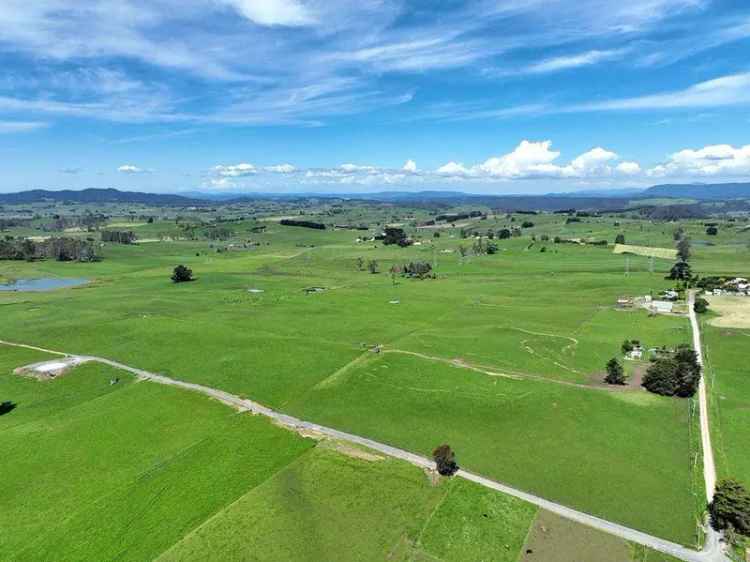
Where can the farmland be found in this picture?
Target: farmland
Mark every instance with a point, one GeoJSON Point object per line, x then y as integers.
{"type": "Point", "coordinates": [500, 355]}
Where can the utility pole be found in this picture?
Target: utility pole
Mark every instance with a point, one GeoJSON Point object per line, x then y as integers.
{"type": "Point", "coordinates": [627, 266]}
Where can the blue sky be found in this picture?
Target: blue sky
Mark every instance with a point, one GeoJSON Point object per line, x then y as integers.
{"type": "Point", "coordinates": [353, 96]}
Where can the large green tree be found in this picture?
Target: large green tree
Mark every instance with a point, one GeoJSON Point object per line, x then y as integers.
{"type": "Point", "coordinates": [615, 372]}
{"type": "Point", "coordinates": [730, 508]}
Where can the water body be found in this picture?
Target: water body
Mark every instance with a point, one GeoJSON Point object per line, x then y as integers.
{"type": "Point", "coordinates": [41, 284]}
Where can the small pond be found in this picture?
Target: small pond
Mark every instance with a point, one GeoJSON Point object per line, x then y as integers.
{"type": "Point", "coordinates": [41, 284]}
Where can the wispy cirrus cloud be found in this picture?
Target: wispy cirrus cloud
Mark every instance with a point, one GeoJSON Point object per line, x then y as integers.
{"type": "Point", "coordinates": [10, 127]}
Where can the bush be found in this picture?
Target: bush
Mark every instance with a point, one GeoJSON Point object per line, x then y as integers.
{"type": "Point", "coordinates": [712, 231]}
{"type": "Point", "coordinates": [181, 274]}
{"type": "Point", "coordinates": [620, 239]}
{"type": "Point", "coordinates": [527, 224]}
{"type": "Point", "coordinates": [503, 234]}
{"type": "Point", "coordinates": [615, 372]}
{"type": "Point", "coordinates": [731, 507]}
{"type": "Point", "coordinates": [394, 235]}
{"type": "Point", "coordinates": [701, 305]}
{"type": "Point", "coordinates": [445, 460]}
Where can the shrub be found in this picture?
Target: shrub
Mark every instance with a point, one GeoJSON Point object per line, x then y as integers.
{"type": "Point", "coordinates": [712, 231]}
{"type": "Point", "coordinates": [181, 274]}
{"type": "Point", "coordinates": [503, 234]}
{"type": "Point", "coordinates": [620, 239]}
{"type": "Point", "coordinates": [527, 224]}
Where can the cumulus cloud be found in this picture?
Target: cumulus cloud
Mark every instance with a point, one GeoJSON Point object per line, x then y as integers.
{"type": "Point", "coordinates": [131, 169]}
{"type": "Point", "coordinates": [350, 168]}
{"type": "Point", "coordinates": [235, 171]}
{"type": "Point", "coordinates": [410, 166]}
{"type": "Point", "coordinates": [453, 169]}
{"type": "Point", "coordinates": [536, 159]}
{"type": "Point", "coordinates": [722, 160]}
{"type": "Point", "coordinates": [629, 168]}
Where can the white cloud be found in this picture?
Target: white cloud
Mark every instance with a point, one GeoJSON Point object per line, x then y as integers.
{"type": "Point", "coordinates": [274, 12]}
{"type": "Point", "coordinates": [453, 169]}
{"type": "Point", "coordinates": [350, 168]}
{"type": "Point", "coordinates": [722, 160]}
{"type": "Point", "coordinates": [9, 127]}
{"type": "Point", "coordinates": [281, 169]}
{"type": "Point", "coordinates": [528, 158]}
{"type": "Point", "coordinates": [629, 168]}
{"type": "Point", "coordinates": [595, 162]}
{"type": "Point", "coordinates": [410, 166]}
{"type": "Point", "coordinates": [726, 90]}
{"type": "Point", "coordinates": [574, 61]}
{"type": "Point", "coordinates": [235, 171]}
{"type": "Point", "coordinates": [131, 169]}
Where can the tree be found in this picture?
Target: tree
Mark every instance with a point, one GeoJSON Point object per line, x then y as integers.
{"type": "Point", "coordinates": [527, 224]}
{"type": "Point", "coordinates": [394, 235]}
{"type": "Point", "coordinates": [462, 250]}
{"type": "Point", "coordinates": [181, 274]}
{"type": "Point", "coordinates": [683, 248]}
{"type": "Point", "coordinates": [360, 263]}
{"type": "Point", "coordinates": [620, 238]}
{"type": "Point", "coordinates": [701, 305]}
{"type": "Point", "coordinates": [712, 231]}
{"type": "Point", "coordinates": [615, 372]}
{"type": "Point", "coordinates": [373, 266]}
{"type": "Point", "coordinates": [680, 271]}
{"type": "Point", "coordinates": [627, 346]}
{"type": "Point", "coordinates": [491, 248]}
{"type": "Point", "coordinates": [445, 460]}
{"type": "Point", "coordinates": [731, 507]}
{"type": "Point", "coordinates": [503, 234]}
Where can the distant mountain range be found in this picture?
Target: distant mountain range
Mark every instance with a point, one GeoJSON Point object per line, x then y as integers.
{"type": "Point", "coordinates": [601, 198]}
{"type": "Point", "coordinates": [702, 191]}
{"type": "Point", "coordinates": [98, 196]}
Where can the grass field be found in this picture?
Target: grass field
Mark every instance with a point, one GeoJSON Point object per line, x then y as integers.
{"type": "Point", "coordinates": [137, 471]}
{"type": "Point", "coordinates": [547, 316]}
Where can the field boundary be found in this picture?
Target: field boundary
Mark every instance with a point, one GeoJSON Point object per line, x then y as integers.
{"type": "Point", "coordinates": [711, 552]}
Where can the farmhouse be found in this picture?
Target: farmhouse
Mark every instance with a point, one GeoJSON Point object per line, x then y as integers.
{"type": "Point", "coordinates": [635, 353]}
{"type": "Point", "coordinates": [661, 307]}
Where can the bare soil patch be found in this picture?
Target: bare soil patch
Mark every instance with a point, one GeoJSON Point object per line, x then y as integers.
{"type": "Point", "coordinates": [734, 311]}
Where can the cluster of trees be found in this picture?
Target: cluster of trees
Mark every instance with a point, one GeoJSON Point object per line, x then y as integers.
{"type": "Point", "coordinates": [118, 236]}
{"type": "Point", "coordinates": [393, 235]}
{"type": "Point", "coordinates": [620, 239]}
{"type": "Point", "coordinates": [675, 375]}
{"type": "Point", "coordinates": [629, 345]}
{"type": "Point", "coordinates": [219, 233]}
{"type": "Point", "coordinates": [681, 270]}
{"type": "Point", "coordinates": [306, 224]}
{"type": "Point", "coordinates": [60, 249]}
{"type": "Point", "coordinates": [452, 217]}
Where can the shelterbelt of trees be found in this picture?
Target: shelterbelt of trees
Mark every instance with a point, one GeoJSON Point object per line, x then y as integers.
{"type": "Point", "coordinates": [59, 249]}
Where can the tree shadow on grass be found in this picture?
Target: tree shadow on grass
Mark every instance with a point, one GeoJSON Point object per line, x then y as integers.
{"type": "Point", "coordinates": [7, 407]}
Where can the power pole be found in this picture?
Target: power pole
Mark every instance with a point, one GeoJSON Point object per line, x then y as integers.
{"type": "Point", "coordinates": [627, 266]}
